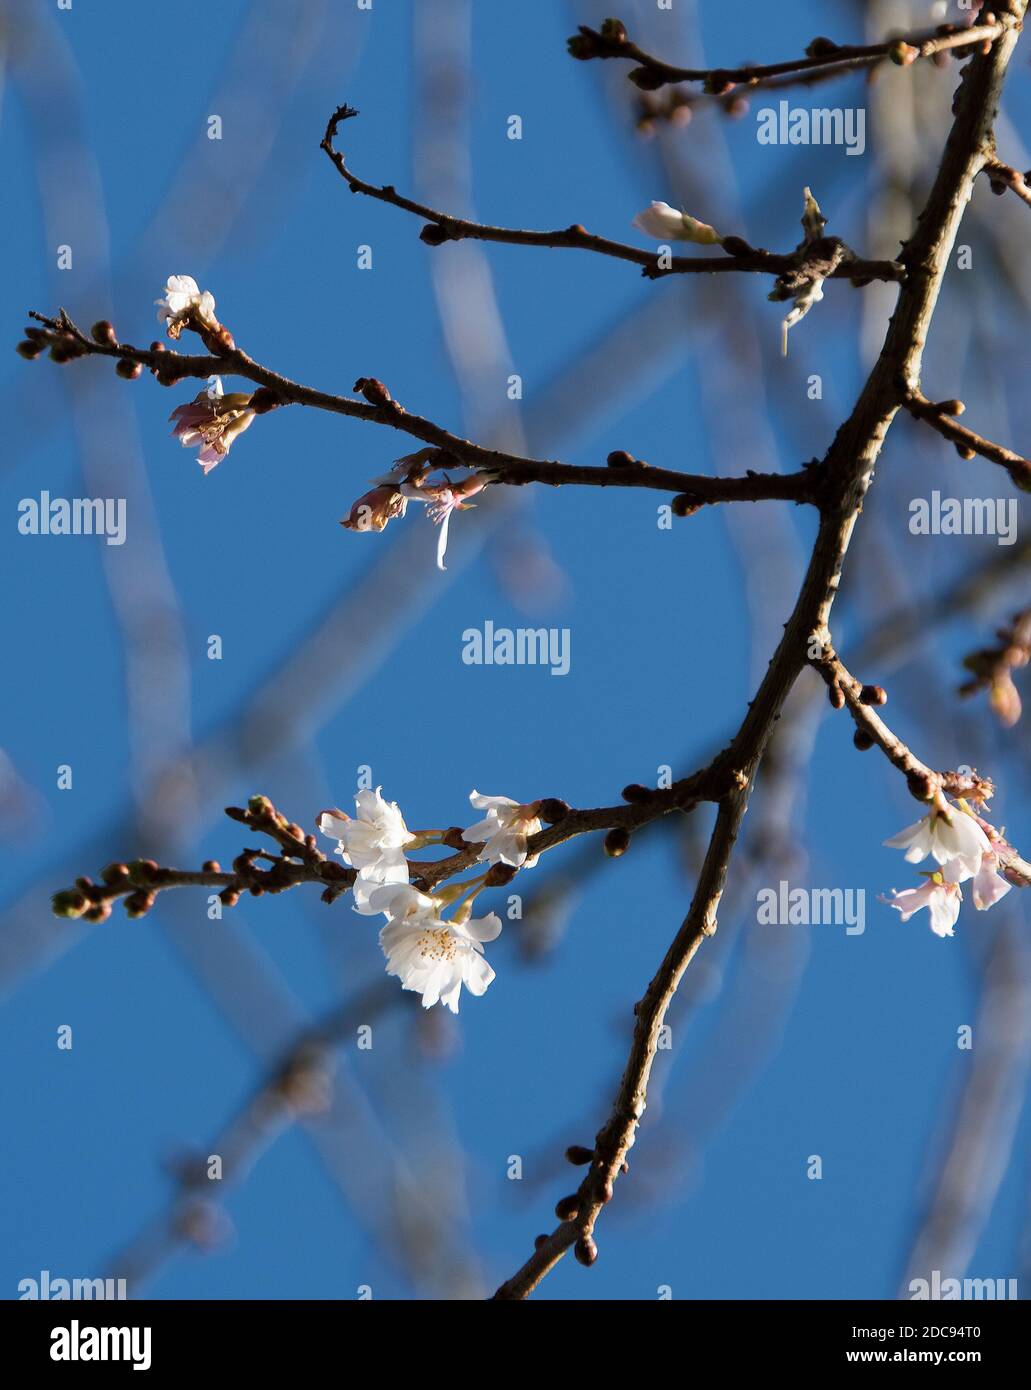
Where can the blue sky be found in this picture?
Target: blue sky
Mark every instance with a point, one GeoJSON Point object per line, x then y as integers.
{"type": "Point", "coordinates": [668, 629]}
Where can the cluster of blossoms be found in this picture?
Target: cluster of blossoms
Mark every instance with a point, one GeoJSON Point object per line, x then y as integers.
{"type": "Point", "coordinates": [431, 954]}
{"type": "Point", "coordinates": [214, 420]}
{"type": "Point", "coordinates": [966, 848]}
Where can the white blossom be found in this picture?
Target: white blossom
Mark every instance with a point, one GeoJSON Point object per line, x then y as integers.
{"type": "Point", "coordinates": [942, 899]}
{"type": "Point", "coordinates": [373, 842]}
{"type": "Point", "coordinates": [183, 297]}
{"type": "Point", "coordinates": [666, 223]}
{"type": "Point", "coordinates": [504, 830]}
{"type": "Point", "coordinates": [429, 955]}
{"type": "Point", "coordinates": [946, 837]}
{"type": "Point", "coordinates": [988, 885]}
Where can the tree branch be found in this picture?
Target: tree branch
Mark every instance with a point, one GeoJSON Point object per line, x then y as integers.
{"type": "Point", "coordinates": [968, 444]}
{"type": "Point", "coordinates": [441, 227]}
{"type": "Point", "coordinates": [823, 59]}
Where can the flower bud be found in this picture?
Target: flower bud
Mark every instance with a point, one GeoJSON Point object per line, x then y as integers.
{"type": "Point", "coordinates": [873, 695]}
{"type": "Point", "coordinates": [619, 458]}
{"type": "Point", "coordinates": [903, 54]}
{"type": "Point", "coordinates": [646, 79]}
{"type": "Point", "coordinates": [585, 1250]}
{"type": "Point", "coordinates": [129, 370]}
{"type": "Point", "coordinates": [98, 913]}
{"type": "Point", "coordinates": [433, 234]}
{"type": "Point", "coordinates": [862, 740]}
{"type": "Point", "coordinates": [452, 837]}
{"type": "Point", "coordinates": [684, 506]}
{"type": "Point", "coordinates": [552, 809]}
{"type": "Point", "coordinates": [538, 1241]}
{"type": "Point", "coordinates": [578, 1154]}
{"type": "Point", "coordinates": [114, 873]}
{"type": "Point", "coordinates": [950, 407]}
{"type": "Point", "coordinates": [498, 875]}
{"type": "Point", "coordinates": [28, 349]}
{"type": "Point", "coordinates": [921, 785]}
{"type": "Point", "coordinates": [568, 1208]}
{"type": "Point", "coordinates": [965, 452]}
{"type": "Point", "coordinates": [821, 47]}
{"type": "Point", "coordinates": [138, 904]}
{"type": "Point", "coordinates": [229, 897]}
{"type": "Point", "coordinates": [636, 792]}
{"type": "Point", "coordinates": [265, 399]}
{"type": "Point", "coordinates": [617, 842]}
{"type": "Point", "coordinates": [614, 30]}
{"type": "Point", "coordinates": [69, 903]}
{"type": "Point", "coordinates": [836, 695]}
{"type": "Point", "coordinates": [211, 866]}
{"type": "Point", "coordinates": [374, 391]}
{"type": "Point", "coordinates": [104, 333]}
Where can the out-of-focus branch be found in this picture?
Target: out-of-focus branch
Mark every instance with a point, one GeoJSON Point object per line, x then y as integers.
{"type": "Point", "coordinates": [992, 667]}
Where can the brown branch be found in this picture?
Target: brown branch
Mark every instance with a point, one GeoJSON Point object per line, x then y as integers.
{"type": "Point", "coordinates": [442, 226]}
{"type": "Point", "coordinates": [849, 465]}
{"type": "Point", "coordinates": [939, 415]}
{"type": "Point", "coordinates": [823, 59]}
{"type": "Point", "coordinates": [861, 701]}
{"type": "Point", "coordinates": [68, 342]}
{"type": "Point", "coordinates": [1004, 176]}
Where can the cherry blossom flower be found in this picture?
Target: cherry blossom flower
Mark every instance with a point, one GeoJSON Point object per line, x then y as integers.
{"type": "Point", "coordinates": [942, 899]}
{"type": "Point", "coordinates": [429, 955]}
{"type": "Point", "coordinates": [373, 842]}
{"type": "Point", "coordinates": [375, 508]}
{"type": "Point", "coordinates": [988, 885]}
{"type": "Point", "coordinates": [945, 836]}
{"type": "Point", "coordinates": [504, 830]}
{"type": "Point", "coordinates": [666, 223]}
{"type": "Point", "coordinates": [214, 420]}
{"type": "Point", "coordinates": [183, 299]}
{"type": "Point", "coordinates": [441, 499]}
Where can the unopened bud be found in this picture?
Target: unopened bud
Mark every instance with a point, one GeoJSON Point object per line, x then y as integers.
{"type": "Point", "coordinates": [619, 458]}
{"type": "Point", "coordinates": [921, 785]}
{"type": "Point", "coordinates": [836, 695]}
{"type": "Point", "coordinates": [69, 903]}
{"type": "Point", "coordinates": [104, 333]}
{"type": "Point", "coordinates": [373, 390]}
{"type": "Point", "coordinates": [553, 809]}
{"type": "Point", "coordinates": [29, 350]}
{"type": "Point", "coordinates": [498, 875]}
{"type": "Point", "coordinates": [98, 913]}
{"type": "Point", "coordinates": [113, 873]}
{"type": "Point", "coordinates": [636, 792]}
{"type": "Point", "coordinates": [585, 1250]}
{"type": "Point", "coordinates": [138, 904]}
{"type": "Point", "coordinates": [229, 897]}
{"type": "Point", "coordinates": [433, 234]}
{"type": "Point", "coordinates": [684, 506]}
{"type": "Point", "coordinates": [965, 452]}
{"type": "Point", "coordinates": [950, 407]}
{"type": "Point", "coordinates": [903, 54]}
{"type": "Point", "coordinates": [568, 1208]}
{"type": "Point", "coordinates": [873, 695]}
{"type": "Point", "coordinates": [821, 47]}
{"type": "Point", "coordinates": [129, 370]}
{"type": "Point", "coordinates": [452, 837]}
{"type": "Point", "coordinates": [646, 79]}
{"type": "Point", "coordinates": [265, 399]}
{"type": "Point", "coordinates": [736, 246]}
{"type": "Point", "coordinates": [862, 740]}
{"type": "Point", "coordinates": [538, 1241]}
{"type": "Point", "coordinates": [617, 842]}
{"type": "Point", "coordinates": [211, 866]}
{"type": "Point", "coordinates": [578, 1154]}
